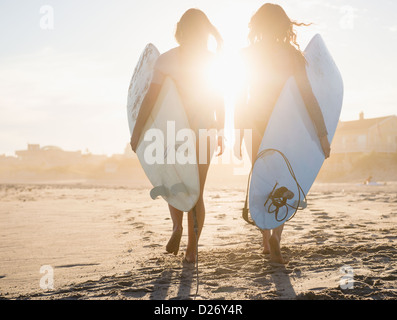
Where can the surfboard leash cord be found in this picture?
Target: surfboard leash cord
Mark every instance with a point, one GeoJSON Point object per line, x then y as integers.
{"type": "Point", "coordinates": [195, 222]}
{"type": "Point", "coordinates": [276, 196]}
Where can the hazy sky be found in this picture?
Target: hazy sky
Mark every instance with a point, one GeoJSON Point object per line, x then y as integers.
{"type": "Point", "coordinates": [64, 81]}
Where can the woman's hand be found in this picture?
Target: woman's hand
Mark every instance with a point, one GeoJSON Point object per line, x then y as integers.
{"type": "Point", "coordinates": [325, 146]}
{"type": "Point", "coordinates": [221, 145]}
{"type": "Point", "coordinates": [237, 151]}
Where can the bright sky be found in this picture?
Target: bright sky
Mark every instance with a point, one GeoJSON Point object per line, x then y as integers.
{"type": "Point", "coordinates": [67, 85]}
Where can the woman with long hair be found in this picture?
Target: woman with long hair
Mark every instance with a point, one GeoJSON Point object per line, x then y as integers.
{"type": "Point", "coordinates": [271, 58]}
{"type": "Point", "coordinates": [188, 66]}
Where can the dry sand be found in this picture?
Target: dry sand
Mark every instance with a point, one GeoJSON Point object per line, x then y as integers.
{"type": "Point", "coordinates": [108, 242]}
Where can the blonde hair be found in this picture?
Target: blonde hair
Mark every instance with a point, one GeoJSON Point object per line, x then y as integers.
{"type": "Point", "coordinates": [194, 27]}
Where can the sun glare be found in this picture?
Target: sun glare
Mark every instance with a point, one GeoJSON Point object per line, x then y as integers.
{"type": "Point", "coordinates": [226, 75]}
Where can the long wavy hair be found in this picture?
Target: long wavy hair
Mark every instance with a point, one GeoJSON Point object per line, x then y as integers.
{"type": "Point", "coordinates": [194, 28]}
{"type": "Point", "coordinates": [272, 23]}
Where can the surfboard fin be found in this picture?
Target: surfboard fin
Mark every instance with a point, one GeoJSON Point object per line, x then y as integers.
{"type": "Point", "coordinates": [179, 187]}
{"type": "Point", "coordinates": [301, 204]}
{"type": "Point", "coordinates": [158, 191]}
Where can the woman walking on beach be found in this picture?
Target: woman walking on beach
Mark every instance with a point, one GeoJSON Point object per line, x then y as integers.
{"type": "Point", "coordinates": [272, 57]}
{"type": "Point", "coordinates": [188, 66]}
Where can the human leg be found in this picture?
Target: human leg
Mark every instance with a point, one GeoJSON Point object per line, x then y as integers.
{"type": "Point", "coordinates": [265, 240]}
{"type": "Point", "coordinates": [174, 242]}
{"type": "Point", "coordinates": [191, 250]}
{"type": "Point", "coordinates": [274, 242]}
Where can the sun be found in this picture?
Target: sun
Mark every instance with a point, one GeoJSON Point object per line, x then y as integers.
{"type": "Point", "coordinates": [227, 76]}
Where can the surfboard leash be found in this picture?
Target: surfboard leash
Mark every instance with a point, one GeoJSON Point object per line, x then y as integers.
{"type": "Point", "coordinates": [196, 233]}
{"type": "Point", "coordinates": [245, 209]}
{"type": "Point", "coordinates": [277, 198]}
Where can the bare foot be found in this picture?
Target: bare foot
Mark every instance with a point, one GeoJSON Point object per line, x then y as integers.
{"type": "Point", "coordinates": [190, 259]}
{"type": "Point", "coordinates": [188, 264]}
{"type": "Point", "coordinates": [275, 252]}
{"type": "Point", "coordinates": [174, 242]}
{"type": "Point", "coordinates": [190, 254]}
{"type": "Point", "coordinates": [265, 241]}
{"type": "Point", "coordinates": [266, 248]}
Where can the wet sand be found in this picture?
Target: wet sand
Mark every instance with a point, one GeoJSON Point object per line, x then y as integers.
{"type": "Point", "coordinates": [108, 242]}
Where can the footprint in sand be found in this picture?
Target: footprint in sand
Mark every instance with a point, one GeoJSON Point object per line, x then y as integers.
{"type": "Point", "coordinates": [130, 220]}
{"type": "Point", "coordinates": [322, 216]}
{"type": "Point", "coordinates": [138, 225]}
{"type": "Point", "coordinates": [227, 289]}
{"type": "Point", "coordinates": [221, 216]}
{"type": "Point", "coordinates": [153, 245]}
{"type": "Point", "coordinates": [77, 265]}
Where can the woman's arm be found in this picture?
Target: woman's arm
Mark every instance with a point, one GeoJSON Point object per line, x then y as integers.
{"type": "Point", "coordinates": [312, 106]}
{"type": "Point", "coordinates": [240, 122]}
{"type": "Point", "coordinates": [148, 102]}
{"type": "Point", "coordinates": [220, 122]}
{"type": "Point", "coordinates": [220, 112]}
{"type": "Point", "coordinates": [144, 112]}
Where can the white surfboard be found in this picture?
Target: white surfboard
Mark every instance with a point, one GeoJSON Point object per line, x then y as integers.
{"type": "Point", "coordinates": [290, 131]}
{"type": "Point", "coordinates": [167, 146]}
{"type": "Point", "coordinates": [140, 83]}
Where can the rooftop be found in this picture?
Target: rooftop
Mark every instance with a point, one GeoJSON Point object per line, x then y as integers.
{"type": "Point", "coordinates": [360, 125]}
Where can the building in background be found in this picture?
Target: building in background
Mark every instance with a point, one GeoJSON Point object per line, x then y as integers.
{"type": "Point", "coordinates": [363, 150]}
{"type": "Point", "coordinates": [52, 156]}
{"type": "Point", "coordinates": [47, 156]}
{"type": "Point", "coordinates": [366, 136]}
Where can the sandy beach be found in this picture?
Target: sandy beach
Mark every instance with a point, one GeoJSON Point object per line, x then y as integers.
{"type": "Point", "coordinates": [86, 99]}
{"type": "Point", "coordinates": [108, 242]}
